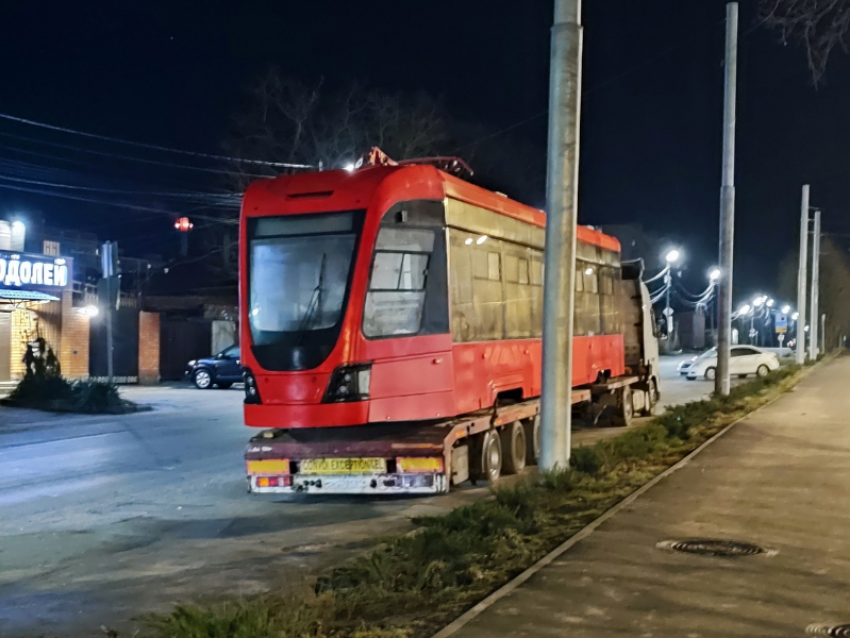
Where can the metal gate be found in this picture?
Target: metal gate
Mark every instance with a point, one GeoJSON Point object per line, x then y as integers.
{"type": "Point", "coordinates": [125, 339]}
{"type": "Point", "coordinates": [180, 341]}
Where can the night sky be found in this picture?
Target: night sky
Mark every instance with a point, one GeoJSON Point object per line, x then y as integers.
{"type": "Point", "coordinates": [173, 74]}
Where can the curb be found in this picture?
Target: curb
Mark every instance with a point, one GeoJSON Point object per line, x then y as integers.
{"type": "Point", "coordinates": [472, 613]}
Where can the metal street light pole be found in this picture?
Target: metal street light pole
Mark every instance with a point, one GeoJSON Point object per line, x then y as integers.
{"type": "Point", "coordinates": [802, 276]}
{"type": "Point", "coordinates": [814, 322]}
{"type": "Point", "coordinates": [727, 205]}
{"type": "Point", "coordinates": [562, 214]}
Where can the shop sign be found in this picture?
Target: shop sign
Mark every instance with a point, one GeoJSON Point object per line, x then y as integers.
{"type": "Point", "coordinates": [22, 269]}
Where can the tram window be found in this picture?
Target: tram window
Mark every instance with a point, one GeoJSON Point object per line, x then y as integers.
{"type": "Point", "coordinates": [591, 281]}
{"type": "Point", "coordinates": [536, 272]}
{"type": "Point", "coordinates": [511, 269]}
{"type": "Point", "coordinates": [607, 275]}
{"type": "Point", "coordinates": [396, 296]}
{"type": "Point", "coordinates": [523, 272]}
{"type": "Point", "coordinates": [494, 271]}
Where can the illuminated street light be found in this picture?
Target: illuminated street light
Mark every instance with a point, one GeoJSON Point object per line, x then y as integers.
{"type": "Point", "coordinates": [18, 227]}
{"type": "Point", "coordinates": [786, 309]}
{"type": "Point", "coordinates": [672, 256]}
{"type": "Point", "coordinates": [714, 274]}
{"type": "Point", "coordinates": [770, 303]}
{"type": "Point", "coordinates": [89, 311]}
{"type": "Point", "coordinates": [795, 316]}
{"type": "Point", "coordinates": [349, 167]}
{"type": "Point", "coordinates": [744, 309]}
{"type": "Point", "coordinates": [758, 302]}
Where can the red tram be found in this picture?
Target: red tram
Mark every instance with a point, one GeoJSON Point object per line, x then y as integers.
{"type": "Point", "coordinates": [402, 293]}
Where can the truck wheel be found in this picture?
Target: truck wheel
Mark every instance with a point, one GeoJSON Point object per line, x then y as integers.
{"type": "Point", "coordinates": [486, 459]}
{"type": "Point", "coordinates": [532, 439]}
{"type": "Point", "coordinates": [513, 447]}
{"type": "Point", "coordinates": [625, 407]}
{"type": "Point", "coordinates": [651, 398]}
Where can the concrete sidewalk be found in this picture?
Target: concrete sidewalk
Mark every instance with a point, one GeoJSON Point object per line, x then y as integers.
{"type": "Point", "coordinates": [779, 479]}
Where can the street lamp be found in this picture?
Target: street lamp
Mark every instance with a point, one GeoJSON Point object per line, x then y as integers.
{"type": "Point", "coordinates": [714, 275]}
{"type": "Point", "coordinates": [795, 316]}
{"type": "Point", "coordinates": [770, 303]}
{"type": "Point", "coordinates": [758, 302]}
{"type": "Point", "coordinates": [671, 257]}
{"type": "Point", "coordinates": [786, 309]}
{"type": "Point", "coordinates": [743, 310]}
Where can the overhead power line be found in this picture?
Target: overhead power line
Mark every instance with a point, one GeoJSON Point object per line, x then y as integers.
{"type": "Point", "coordinates": [102, 202]}
{"type": "Point", "coordinates": [128, 158]}
{"type": "Point", "coordinates": [221, 199]}
{"type": "Point", "coordinates": [152, 147]}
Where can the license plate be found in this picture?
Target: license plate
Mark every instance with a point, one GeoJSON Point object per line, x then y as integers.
{"type": "Point", "coordinates": [269, 467]}
{"type": "Point", "coordinates": [343, 466]}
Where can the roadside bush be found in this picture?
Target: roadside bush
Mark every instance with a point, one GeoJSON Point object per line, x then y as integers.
{"type": "Point", "coordinates": [57, 394]}
{"type": "Point", "coordinates": [585, 459]}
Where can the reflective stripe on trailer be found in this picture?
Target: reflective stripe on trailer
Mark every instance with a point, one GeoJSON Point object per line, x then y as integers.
{"type": "Point", "coordinates": [419, 483]}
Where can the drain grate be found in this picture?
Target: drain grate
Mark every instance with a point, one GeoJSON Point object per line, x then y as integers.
{"type": "Point", "coordinates": [715, 547]}
{"type": "Point", "coordinates": [824, 629]}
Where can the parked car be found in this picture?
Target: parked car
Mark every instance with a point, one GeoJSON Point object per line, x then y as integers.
{"type": "Point", "coordinates": [684, 366]}
{"type": "Point", "coordinates": [223, 370]}
{"type": "Point", "coordinates": [743, 361]}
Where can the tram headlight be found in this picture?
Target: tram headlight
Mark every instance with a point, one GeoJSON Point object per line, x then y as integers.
{"type": "Point", "coordinates": [252, 394]}
{"type": "Point", "coordinates": [349, 383]}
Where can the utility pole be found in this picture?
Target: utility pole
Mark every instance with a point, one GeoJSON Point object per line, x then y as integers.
{"type": "Point", "coordinates": [727, 205]}
{"type": "Point", "coordinates": [814, 323]}
{"type": "Point", "coordinates": [561, 218]}
{"type": "Point", "coordinates": [823, 333]}
{"type": "Point", "coordinates": [802, 276]}
{"type": "Point", "coordinates": [109, 266]}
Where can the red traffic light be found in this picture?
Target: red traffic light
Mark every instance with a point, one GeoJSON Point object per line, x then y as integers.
{"type": "Point", "coordinates": [183, 225]}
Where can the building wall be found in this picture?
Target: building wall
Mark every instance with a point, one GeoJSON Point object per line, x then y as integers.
{"type": "Point", "coordinates": [23, 331]}
{"type": "Point", "coordinates": [149, 347]}
{"type": "Point", "coordinates": [74, 344]}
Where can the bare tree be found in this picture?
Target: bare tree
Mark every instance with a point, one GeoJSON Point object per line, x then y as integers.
{"type": "Point", "coordinates": [820, 25]}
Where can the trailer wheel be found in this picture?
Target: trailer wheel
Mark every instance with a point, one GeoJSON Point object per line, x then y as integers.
{"type": "Point", "coordinates": [532, 440]}
{"type": "Point", "coordinates": [486, 458]}
{"type": "Point", "coordinates": [651, 398]}
{"type": "Point", "coordinates": [513, 447]}
{"type": "Point", "coordinates": [625, 407]}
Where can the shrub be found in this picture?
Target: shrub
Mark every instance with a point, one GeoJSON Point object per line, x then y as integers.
{"type": "Point", "coordinates": [42, 388]}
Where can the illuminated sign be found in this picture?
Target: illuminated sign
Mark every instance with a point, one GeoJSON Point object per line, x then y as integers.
{"type": "Point", "coordinates": [22, 269]}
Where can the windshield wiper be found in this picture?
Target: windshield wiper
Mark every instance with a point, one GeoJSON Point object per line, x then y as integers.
{"type": "Point", "coordinates": [315, 304]}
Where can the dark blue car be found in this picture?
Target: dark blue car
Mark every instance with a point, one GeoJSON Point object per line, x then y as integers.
{"type": "Point", "coordinates": [222, 370]}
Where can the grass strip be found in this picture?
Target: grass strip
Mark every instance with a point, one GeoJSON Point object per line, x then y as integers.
{"type": "Point", "coordinates": [413, 585]}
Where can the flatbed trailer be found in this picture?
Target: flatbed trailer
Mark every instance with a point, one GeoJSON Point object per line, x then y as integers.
{"type": "Point", "coordinates": [412, 458]}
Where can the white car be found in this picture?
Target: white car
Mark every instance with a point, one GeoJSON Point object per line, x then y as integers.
{"type": "Point", "coordinates": [743, 360]}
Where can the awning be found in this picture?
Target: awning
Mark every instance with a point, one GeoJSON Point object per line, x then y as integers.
{"type": "Point", "coordinates": [25, 295]}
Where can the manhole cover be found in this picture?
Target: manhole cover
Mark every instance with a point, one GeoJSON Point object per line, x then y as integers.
{"type": "Point", "coordinates": [823, 629]}
{"type": "Point", "coordinates": [715, 547]}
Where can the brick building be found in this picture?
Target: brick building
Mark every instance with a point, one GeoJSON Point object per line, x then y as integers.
{"type": "Point", "coordinates": [46, 291]}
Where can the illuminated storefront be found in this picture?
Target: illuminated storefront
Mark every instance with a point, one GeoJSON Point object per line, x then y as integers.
{"type": "Point", "coordinates": [36, 300]}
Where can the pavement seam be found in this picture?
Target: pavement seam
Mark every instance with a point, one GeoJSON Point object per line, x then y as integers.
{"type": "Point", "coordinates": [472, 613]}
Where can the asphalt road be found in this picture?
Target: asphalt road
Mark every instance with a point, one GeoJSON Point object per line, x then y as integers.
{"type": "Point", "coordinates": [104, 517]}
